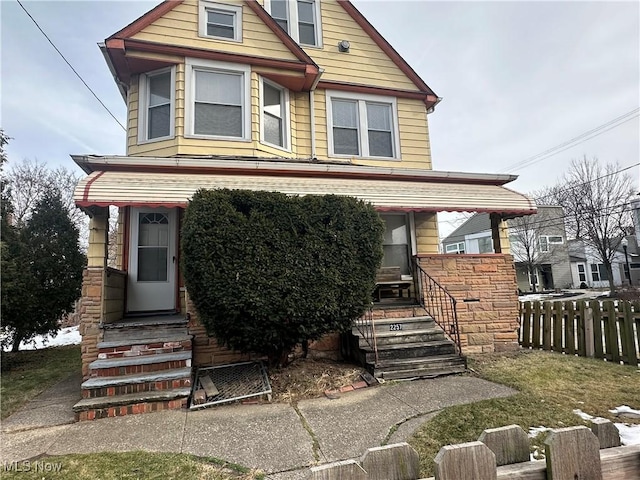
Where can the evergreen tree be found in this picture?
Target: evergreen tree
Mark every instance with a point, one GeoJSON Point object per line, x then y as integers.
{"type": "Point", "coordinates": [42, 270]}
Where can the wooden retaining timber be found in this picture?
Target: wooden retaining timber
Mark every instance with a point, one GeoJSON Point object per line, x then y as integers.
{"type": "Point", "coordinates": [571, 453]}
{"type": "Point", "coordinates": [609, 329]}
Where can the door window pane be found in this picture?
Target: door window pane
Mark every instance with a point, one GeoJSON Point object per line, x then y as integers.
{"type": "Point", "coordinates": [153, 247]}
{"type": "Point", "coordinates": [395, 243]}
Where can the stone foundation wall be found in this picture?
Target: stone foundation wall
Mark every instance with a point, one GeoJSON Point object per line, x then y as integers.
{"type": "Point", "coordinates": [488, 319]}
{"type": "Point", "coordinates": [90, 315]}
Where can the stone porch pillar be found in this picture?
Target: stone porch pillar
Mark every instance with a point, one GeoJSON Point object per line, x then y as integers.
{"type": "Point", "coordinates": [92, 286]}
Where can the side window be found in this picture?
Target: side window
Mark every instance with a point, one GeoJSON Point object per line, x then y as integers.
{"type": "Point", "coordinates": [543, 242]}
{"type": "Point", "coordinates": [220, 21]}
{"type": "Point", "coordinates": [156, 105]}
{"type": "Point", "coordinates": [362, 126]}
{"type": "Point", "coordinates": [274, 117]}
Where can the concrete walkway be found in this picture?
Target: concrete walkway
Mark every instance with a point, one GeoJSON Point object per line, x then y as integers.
{"type": "Point", "coordinates": [276, 438]}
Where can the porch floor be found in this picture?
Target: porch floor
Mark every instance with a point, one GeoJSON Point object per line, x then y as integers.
{"type": "Point", "coordinates": [152, 319]}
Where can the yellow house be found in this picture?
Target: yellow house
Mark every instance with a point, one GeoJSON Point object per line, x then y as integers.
{"type": "Point", "coordinates": [302, 97]}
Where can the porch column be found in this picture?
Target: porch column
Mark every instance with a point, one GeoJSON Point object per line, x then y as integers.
{"type": "Point", "coordinates": [499, 234]}
{"type": "Point", "coordinates": [93, 286]}
{"type": "Point", "coordinates": [426, 232]}
{"type": "Point", "coordinates": [98, 238]}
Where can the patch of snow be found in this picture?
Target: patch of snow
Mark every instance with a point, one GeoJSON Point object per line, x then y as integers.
{"type": "Point", "coordinates": [629, 434]}
{"type": "Point", "coordinates": [535, 431]}
{"type": "Point", "coordinates": [625, 411]}
{"type": "Point", "coordinates": [65, 336]}
{"type": "Point", "coordinates": [582, 415]}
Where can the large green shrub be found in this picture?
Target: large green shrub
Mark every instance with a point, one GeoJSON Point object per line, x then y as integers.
{"type": "Point", "coordinates": [267, 271]}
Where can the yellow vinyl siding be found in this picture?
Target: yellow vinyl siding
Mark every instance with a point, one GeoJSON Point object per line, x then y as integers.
{"type": "Point", "coordinates": [426, 232]}
{"type": "Point", "coordinates": [365, 63]}
{"type": "Point", "coordinates": [414, 135]}
{"type": "Point", "coordinates": [179, 27]}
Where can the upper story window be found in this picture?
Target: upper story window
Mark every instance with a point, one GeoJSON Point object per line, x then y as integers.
{"type": "Point", "coordinates": [299, 18]}
{"type": "Point", "coordinates": [156, 105]}
{"type": "Point", "coordinates": [218, 100]}
{"type": "Point", "coordinates": [362, 126]}
{"type": "Point", "coordinates": [546, 240]}
{"type": "Point", "coordinates": [274, 115]}
{"type": "Point", "coordinates": [217, 20]}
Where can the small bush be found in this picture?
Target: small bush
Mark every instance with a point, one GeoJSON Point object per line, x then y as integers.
{"type": "Point", "coordinates": [267, 271]}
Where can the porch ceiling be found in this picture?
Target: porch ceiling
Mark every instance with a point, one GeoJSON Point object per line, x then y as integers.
{"type": "Point", "coordinates": [127, 188]}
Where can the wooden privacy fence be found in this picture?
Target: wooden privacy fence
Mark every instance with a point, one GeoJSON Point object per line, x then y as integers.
{"type": "Point", "coordinates": [602, 329]}
{"type": "Point", "coordinates": [500, 454]}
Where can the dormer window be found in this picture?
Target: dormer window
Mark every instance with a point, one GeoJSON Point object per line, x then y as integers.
{"type": "Point", "coordinates": [220, 21]}
{"type": "Point", "coordinates": [299, 18]}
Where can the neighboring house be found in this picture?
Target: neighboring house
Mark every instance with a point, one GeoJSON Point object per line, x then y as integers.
{"type": "Point", "coordinates": [539, 241]}
{"type": "Point", "coordinates": [588, 270]}
{"type": "Point", "coordinates": [301, 97]}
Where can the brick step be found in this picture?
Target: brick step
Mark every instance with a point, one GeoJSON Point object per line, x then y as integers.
{"type": "Point", "coordinates": [132, 403]}
{"type": "Point", "coordinates": [112, 367]}
{"type": "Point", "coordinates": [153, 348]}
{"type": "Point", "coordinates": [143, 382]}
{"type": "Point", "coordinates": [410, 350]}
{"type": "Point", "coordinates": [409, 323]}
{"type": "Point", "coordinates": [427, 372]}
{"type": "Point", "coordinates": [409, 336]}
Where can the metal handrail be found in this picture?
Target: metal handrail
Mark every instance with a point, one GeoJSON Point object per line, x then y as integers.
{"type": "Point", "coordinates": [438, 303]}
{"type": "Point", "coordinates": [366, 326]}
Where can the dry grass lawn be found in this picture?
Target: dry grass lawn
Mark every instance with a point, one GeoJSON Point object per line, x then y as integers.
{"type": "Point", "coordinates": [551, 386]}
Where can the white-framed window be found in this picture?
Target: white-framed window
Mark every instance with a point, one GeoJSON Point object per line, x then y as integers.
{"type": "Point", "coordinates": [218, 100]}
{"type": "Point", "coordinates": [156, 100]}
{"type": "Point", "coordinates": [534, 280]}
{"type": "Point", "coordinates": [362, 125]}
{"type": "Point", "coordinates": [455, 248]}
{"type": "Point", "coordinates": [395, 244]}
{"type": "Point", "coordinates": [299, 18]}
{"type": "Point", "coordinates": [220, 21]}
{"type": "Point", "coordinates": [274, 115]}
{"type": "Point", "coordinates": [598, 272]}
{"type": "Point", "coordinates": [582, 274]}
{"type": "Point", "coordinates": [546, 240]}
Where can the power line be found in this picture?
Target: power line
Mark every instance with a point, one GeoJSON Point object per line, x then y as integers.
{"type": "Point", "coordinates": [583, 137]}
{"type": "Point", "coordinates": [70, 66]}
{"type": "Point", "coordinates": [573, 187]}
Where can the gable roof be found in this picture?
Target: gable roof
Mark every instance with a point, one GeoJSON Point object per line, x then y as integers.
{"type": "Point", "coordinates": [115, 45]}
{"type": "Point", "coordinates": [386, 47]}
{"type": "Point", "coordinates": [477, 223]}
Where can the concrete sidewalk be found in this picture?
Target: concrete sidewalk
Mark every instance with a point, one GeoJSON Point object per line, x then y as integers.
{"type": "Point", "coordinates": [276, 438]}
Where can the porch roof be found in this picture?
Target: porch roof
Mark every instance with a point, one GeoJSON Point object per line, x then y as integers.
{"type": "Point", "coordinates": [164, 189]}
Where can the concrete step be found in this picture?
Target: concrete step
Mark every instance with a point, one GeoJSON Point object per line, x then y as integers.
{"type": "Point", "coordinates": [148, 339]}
{"type": "Point", "coordinates": [149, 347]}
{"type": "Point", "coordinates": [141, 382]}
{"type": "Point", "coordinates": [420, 367]}
{"type": "Point", "coordinates": [408, 336]}
{"type": "Point", "coordinates": [112, 367]}
{"type": "Point", "coordinates": [410, 350]}
{"type": "Point", "coordinates": [132, 403]}
{"type": "Point", "coordinates": [404, 324]}
{"type": "Point", "coordinates": [430, 372]}
{"type": "Point", "coordinates": [138, 334]}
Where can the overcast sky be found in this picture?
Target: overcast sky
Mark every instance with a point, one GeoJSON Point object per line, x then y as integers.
{"type": "Point", "coordinates": [517, 78]}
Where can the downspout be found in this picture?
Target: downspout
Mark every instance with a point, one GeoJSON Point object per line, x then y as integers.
{"type": "Point", "coordinates": [312, 113]}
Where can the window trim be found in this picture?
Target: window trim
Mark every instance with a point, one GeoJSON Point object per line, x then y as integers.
{"type": "Point", "coordinates": [363, 134]}
{"type": "Point", "coordinates": [457, 248]}
{"type": "Point", "coordinates": [193, 65]}
{"type": "Point", "coordinates": [205, 6]}
{"type": "Point", "coordinates": [143, 106]}
{"type": "Point", "coordinates": [285, 106]}
{"type": "Point", "coordinates": [582, 274]}
{"type": "Point", "coordinates": [292, 19]}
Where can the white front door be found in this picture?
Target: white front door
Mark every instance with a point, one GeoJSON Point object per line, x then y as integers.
{"type": "Point", "coordinates": [152, 260]}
